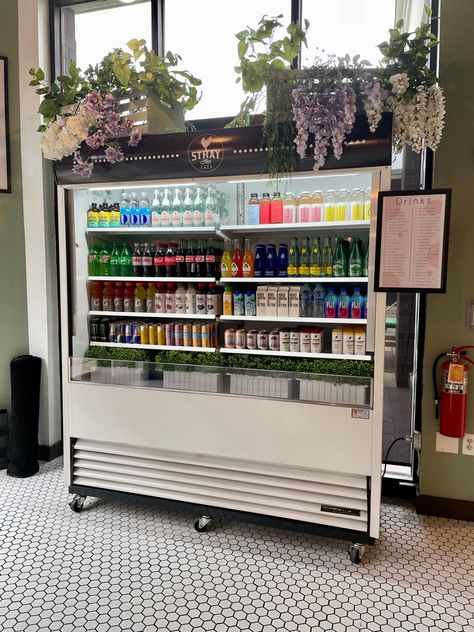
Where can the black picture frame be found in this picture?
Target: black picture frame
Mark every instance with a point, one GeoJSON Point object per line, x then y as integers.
{"type": "Point", "coordinates": [383, 195]}
{"type": "Point", "coordinates": [5, 176]}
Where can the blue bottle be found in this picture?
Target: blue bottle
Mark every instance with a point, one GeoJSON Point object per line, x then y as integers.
{"type": "Point", "coordinates": [306, 300]}
{"type": "Point", "coordinates": [357, 304]}
{"type": "Point", "coordinates": [134, 211]}
{"type": "Point", "coordinates": [145, 211]}
{"type": "Point", "coordinates": [271, 262]}
{"type": "Point", "coordinates": [319, 298]}
{"type": "Point", "coordinates": [282, 261]}
{"type": "Point", "coordinates": [343, 304]}
{"type": "Point", "coordinates": [260, 261]}
{"type": "Point", "coordinates": [124, 210]}
{"type": "Point", "coordinates": [330, 304]}
{"type": "Point", "coordinates": [253, 210]}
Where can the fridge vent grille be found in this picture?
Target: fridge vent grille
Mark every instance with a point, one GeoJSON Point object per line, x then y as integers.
{"type": "Point", "coordinates": [269, 489]}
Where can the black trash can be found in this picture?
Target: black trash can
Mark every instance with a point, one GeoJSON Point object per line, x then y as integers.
{"type": "Point", "coordinates": [25, 375]}
{"type": "Point", "coordinates": [3, 438]}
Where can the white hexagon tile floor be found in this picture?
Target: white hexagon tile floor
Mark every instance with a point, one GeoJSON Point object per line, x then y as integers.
{"type": "Point", "coordinates": [118, 566]}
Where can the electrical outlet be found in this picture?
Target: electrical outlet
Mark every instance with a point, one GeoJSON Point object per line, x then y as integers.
{"type": "Point", "coordinates": [446, 444]}
{"type": "Point", "coordinates": [468, 444]}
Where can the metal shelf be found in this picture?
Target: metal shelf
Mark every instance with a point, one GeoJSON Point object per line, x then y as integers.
{"type": "Point", "coordinates": [248, 229]}
{"type": "Point", "coordinates": [155, 315]}
{"type": "Point", "coordinates": [202, 231]}
{"type": "Point", "coordinates": [154, 279]}
{"type": "Point", "coordinates": [126, 345]}
{"type": "Point", "coordinates": [297, 319]}
{"type": "Point", "coordinates": [285, 280]}
{"type": "Point", "coordinates": [297, 354]}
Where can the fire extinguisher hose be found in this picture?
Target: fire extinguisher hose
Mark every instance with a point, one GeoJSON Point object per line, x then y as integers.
{"type": "Point", "coordinates": [435, 382]}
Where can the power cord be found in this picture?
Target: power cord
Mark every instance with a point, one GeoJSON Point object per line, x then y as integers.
{"type": "Point", "coordinates": [405, 438]}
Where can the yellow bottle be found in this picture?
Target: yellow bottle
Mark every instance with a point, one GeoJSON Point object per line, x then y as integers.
{"type": "Point", "coordinates": [227, 301]}
{"type": "Point", "coordinates": [357, 205]}
{"type": "Point", "coordinates": [330, 206]}
{"type": "Point", "coordinates": [343, 208]}
{"type": "Point", "coordinates": [367, 203]}
{"type": "Point", "coordinates": [226, 261]}
{"type": "Point", "coordinates": [93, 216]}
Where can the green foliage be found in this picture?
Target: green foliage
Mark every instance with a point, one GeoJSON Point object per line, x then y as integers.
{"type": "Point", "coordinates": [117, 353]}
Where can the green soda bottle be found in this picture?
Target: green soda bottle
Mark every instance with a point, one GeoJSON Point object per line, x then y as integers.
{"type": "Point", "coordinates": [126, 261]}
{"type": "Point", "coordinates": [365, 267]}
{"type": "Point", "coordinates": [115, 261]}
{"type": "Point", "coordinates": [93, 265]}
{"type": "Point", "coordinates": [104, 260]}
{"type": "Point", "coordinates": [356, 262]}
{"type": "Point", "coordinates": [339, 263]}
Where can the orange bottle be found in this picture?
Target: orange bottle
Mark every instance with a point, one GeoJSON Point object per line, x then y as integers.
{"type": "Point", "coordinates": [247, 261]}
{"type": "Point", "coordinates": [96, 296]}
{"type": "Point", "coordinates": [226, 261]}
{"type": "Point", "coordinates": [108, 297]}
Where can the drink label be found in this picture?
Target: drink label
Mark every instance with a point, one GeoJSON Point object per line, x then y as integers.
{"type": "Point", "coordinates": [188, 218]}
{"type": "Point", "coordinates": [92, 258]}
{"type": "Point", "coordinates": [329, 213]}
{"type": "Point", "coordinates": [292, 270]}
{"type": "Point", "coordinates": [246, 269]}
{"type": "Point", "coordinates": [367, 209]}
{"type": "Point", "coordinates": [155, 218]}
{"type": "Point", "coordinates": [235, 269]}
{"type": "Point", "coordinates": [338, 270]}
{"type": "Point", "coordinates": [209, 217]}
{"type": "Point", "coordinates": [165, 218]}
{"type": "Point", "coordinates": [316, 213]}
{"type": "Point", "coordinates": [355, 270]}
{"type": "Point", "coordinates": [170, 260]}
{"type": "Point", "coordinates": [179, 258]}
{"type": "Point", "coordinates": [104, 259]}
{"type": "Point", "coordinates": [198, 218]}
{"type": "Point", "coordinates": [145, 217]}
{"type": "Point", "coordinates": [224, 269]}
{"type": "Point", "coordinates": [289, 213]}
{"type": "Point", "coordinates": [134, 217]}
{"type": "Point", "coordinates": [115, 219]}
{"type": "Point", "coordinates": [159, 303]}
{"type": "Point", "coordinates": [330, 310]}
{"type": "Point", "coordinates": [96, 304]}
{"type": "Point", "coordinates": [201, 303]}
{"type": "Point", "coordinates": [304, 270]}
{"type": "Point", "coordinates": [150, 305]}
{"type": "Point", "coordinates": [128, 304]}
{"type": "Point", "coordinates": [147, 261]}
{"type": "Point", "coordinates": [210, 258]}
{"type": "Point", "coordinates": [176, 218]}
{"type": "Point", "coordinates": [136, 260]}
{"type": "Point", "coordinates": [343, 310]}
{"type": "Point", "coordinates": [107, 304]}
{"type": "Point", "coordinates": [304, 211]}
{"type": "Point", "coordinates": [199, 259]}
{"type": "Point", "coordinates": [124, 217]}
{"type": "Point", "coordinates": [357, 211]}
{"type": "Point", "coordinates": [139, 304]}
{"type": "Point", "coordinates": [355, 310]}
{"type": "Point", "coordinates": [180, 305]}
{"type": "Point", "coordinates": [315, 270]}
{"type": "Point", "coordinates": [158, 261]}
{"type": "Point", "coordinates": [118, 304]}
{"type": "Point", "coordinates": [342, 213]}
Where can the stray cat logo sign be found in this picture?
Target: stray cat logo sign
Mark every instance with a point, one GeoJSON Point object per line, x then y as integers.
{"type": "Point", "coordinates": [205, 153]}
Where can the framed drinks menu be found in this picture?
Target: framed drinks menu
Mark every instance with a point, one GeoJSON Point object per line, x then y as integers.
{"type": "Point", "coordinates": [412, 241]}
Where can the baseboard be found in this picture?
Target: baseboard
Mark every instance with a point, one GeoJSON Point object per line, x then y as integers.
{"type": "Point", "coordinates": [445, 507]}
{"type": "Point", "coordinates": [50, 452]}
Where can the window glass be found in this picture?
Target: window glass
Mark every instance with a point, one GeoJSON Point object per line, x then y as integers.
{"type": "Point", "coordinates": [203, 33]}
{"type": "Point", "coordinates": [351, 27]}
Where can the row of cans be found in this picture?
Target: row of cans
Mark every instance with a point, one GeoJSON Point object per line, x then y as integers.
{"type": "Point", "coordinates": [140, 332]}
{"type": "Point", "coordinates": [308, 340]}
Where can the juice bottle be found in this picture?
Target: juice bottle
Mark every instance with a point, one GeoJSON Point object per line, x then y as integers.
{"type": "Point", "coordinates": [125, 261]}
{"type": "Point", "coordinates": [227, 301]}
{"type": "Point", "coordinates": [339, 263]}
{"type": "Point", "coordinates": [289, 209]}
{"type": "Point", "coordinates": [330, 206]}
{"type": "Point", "coordinates": [198, 213]}
{"type": "Point", "coordinates": [139, 296]}
{"type": "Point", "coordinates": [190, 300]}
{"type": "Point", "coordinates": [357, 205]}
{"type": "Point", "coordinates": [265, 205]}
{"type": "Point", "coordinates": [247, 261]}
{"type": "Point", "coordinates": [293, 258]}
{"type": "Point", "coordinates": [237, 260]}
{"type": "Point", "coordinates": [253, 209]}
{"type": "Point", "coordinates": [188, 208]}
{"type": "Point", "coordinates": [108, 297]}
{"type": "Point", "coordinates": [305, 256]}
{"type": "Point", "coordinates": [357, 304]}
{"type": "Point", "coordinates": [93, 262]}
{"type": "Point", "coordinates": [180, 299]}
{"type": "Point", "coordinates": [201, 299]}
{"type": "Point", "coordinates": [160, 299]}
{"type": "Point", "coordinates": [343, 304]}
{"type": "Point", "coordinates": [343, 206]}
{"type": "Point", "coordinates": [150, 298]}
{"type": "Point", "coordinates": [118, 297]}
{"type": "Point", "coordinates": [166, 209]}
{"type": "Point", "coordinates": [226, 262]}
{"type": "Point", "coordinates": [330, 304]}
{"type": "Point", "coordinates": [315, 259]}
{"type": "Point", "coordinates": [128, 297]}
{"type": "Point", "coordinates": [260, 260]}
{"type": "Point", "coordinates": [96, 296]}
{"type": "Point", "coordinates": [317, 207]}
{"type": "Point", "coordinates": [170, 299]}
{"type": "Point", "coordinates": [214, 300]}
{"type": "Point", "coordinates": [104, 261]}
{"type": "Point", "coordinates": [304, 207]}
{"type": "Point", "coordinates": [356, 261]}
{"type": "Point", "coordinates": [276, 209]}
{"type": "Point", "coordinates": [93, 216]}
{"type": "Point", "coordinates": [367, 203]}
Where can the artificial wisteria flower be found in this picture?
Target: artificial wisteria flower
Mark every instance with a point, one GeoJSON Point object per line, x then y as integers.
{"type": "Point", "coordinates": [135, 138]}
{"type": "Point", "coordinates": [82, 167]}
{"type": "Point", "coordinates": [114, 155]}
{"type": "Point", "coordinates": [96, 140]}
{"type": "Point", "coordinates": [435, 113]}
{"type": "Point", "coordinates": [373, 98]}
{"type": "Point", "coordinates": [400, 83]}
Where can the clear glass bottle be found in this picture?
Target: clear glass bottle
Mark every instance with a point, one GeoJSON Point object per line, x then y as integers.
{"type": "Point", "coordinates": [343, 206]}
{"type": "Point", "coordinates": [367, 203]}
{"type": "Point", "coordinates": [166, 209]}
{"type": "Point", "coordinates": [330, 206]}
{"type": "Point", "coordinates": [317, 207]}
{"type": "Point", "coordinates": [326, 258]}
{"type": "Point", "coordinates": [188, 209]}
{"type": "Point", "coordinates": [176, 210]}
{"type": "Point", "coordinates": [198, 217]}
{"type": "Point", "coordinates": [357, 205]}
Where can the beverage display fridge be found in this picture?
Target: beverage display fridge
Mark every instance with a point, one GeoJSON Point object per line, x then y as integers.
{"type": "Point", "coordinates": [222, 346]}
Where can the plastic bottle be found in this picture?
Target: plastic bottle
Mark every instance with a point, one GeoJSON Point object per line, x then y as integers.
{"type": "Point", "coordinates": [330, 206]}
{"type": "Point", "coordinates": [137, 267]}
{"type": "Point", "coordinates": [305, 256]}
{"type": "Point", "coordinates": [357, 304]}
{"type": "Point", "coordinates": [134, 210]}
{"type": "Point", "coordinates": [317, 207]}
{"type": "Point", "coordinates": [356, 260]}
{"type": "Point", "coordinates": [306, 297]}
{"type": "Point", "coordinates": [319, 298]}
{"type": "Point", "coordinates": [293, 258]}
{"type": "Point", "coordinates": [343, 206]}
{"type": "Point", "coordinates": [118, 297]}
{"type": "Point", "coordinates": [160, 299]}
{"type": "Point", "coordinates": [253, 209]}
{"type": "Point", "coordinates": [260, 261]}
{"type": "Point", "coordinates": [93, 216]}
{"type": "Point", "coordinates": [96, 296]}
{"type": "Point", "coordinates": [210, 209]}
{"type": "Point", "coordinates": [180, 259]}
{"type": "Point", "coordinates": [147, 261]}
{"type": "Point", "coordinates": [115, 261]}
{"type": "Point", "coordinates": [180, 299]}
{"type": "Point", "coordinates": [155, 209]}
{"type": "Point", "coordinates": [126, 269]}
{"type": "Point", "coordinates": [211, 261]}
{"type": "Point", "coordinates": [145, 210]}
{"type": "Point", "coordinates": [159, 260]}
{"type": "Point", "coordinates": [200, 259]}
{"type": "Point", "coordinates": [289, 209]}
{"type": "Point", "coordinates": [198, 209]}
{"type": "Point", "coordinates": [327, 258]}
{"type": "Point", "coordinates": [166, 209]}
{"type": "Point", "coordinates": [125, 210]}
{"type": "Point", "coordinates": [282, 260]}
{"type": "Point", "coordinates": [170, 260]}
{"type": "Point", "coordinates": [247, 261]}
{"type": "Point", "coordinates": [226, 262]}
{"type": "Point", "coordinates": [93, 261]}
{"type": "Point", "coordinates": [357, 205]}
{"type": "Point", "coordinates": [367, 203]}
{"type": "Point", "coordinates": [201, 299]}
{"type": "Point", "coordinates": [339, 263]}
{"type": "Point", "coordinates": [343, 304]}
{"type": "Point", "coordinates": [190, 260]}
{"type": "Point", "coordinates": [104, 216]}
{"type": "Point", "coordinates": [214, 300]}
{"type": "Point", "coordinates": [330, 304]}
{"type": "Point", "coordinates": [276, 209]}
{"type": "Point", "coordinates": [265, 205]}
{"type": "Point", "coordinates": [170, 299]}
{"type": "Point", "coordinates": [129, 297]}
{"type": "Point", "coordinates": [176, 210]}
{"type": "Point", "coordinates": [150, 298]}
{"type": "Point", "coordinates": [104, 260]}
{"type": "Point", "coordinates": [239, 303]}
{"type": "Point", "coordinates": [190, 300]}
{"type": "Point", "coordinates": [315, 259]}
{"type": "Point", "coordinates": [304, 207]}
{"type": "Point", "coordinates": [115, 215]}
{"type": "Point", "coordinates": [227, 301]}
{"type": "Point", "coordinates": [139, 296]}
{"type": "Point", "coordinates": [365, 267]}
{"type": "Point", "coordinates": [250, 303]}
{"type": "Point", "coordinates": [271, 262]}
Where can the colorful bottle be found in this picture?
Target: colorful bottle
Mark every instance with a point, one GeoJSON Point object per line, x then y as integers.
{"type": "Point", "coordinates": [160, 299]}
{"type": "Point", "coordinates": [247, 261]}
{"type": "Point", "coordinates": [357, 205]}
{"type": "Point", "coordinates": [276, 209]}
{"type": "Point", "coordinates": [155, 209]}
{"type": "Point", "coordinates": [166, 209]}
{"type": "Point", "coordinates": [315, 259]}
{"type": "Point", "coordinates": [176, 210]}
{"type": "Point", "coordinates": [343, 304]}
{"type": "Point", "coordinates": [239, 303]}
{"type": "Point", "coordinates": [150, 298]}
{"type": "Point", "coordinates": [330, 304]}
{"type": "Point", "coordinates": [339, 264]}
{"type": "Point", "coordinates": [319, 301]}
{"type": "Point", "coordinates": [115, 261]}
{"type": "Point", "coordinates": [139, 296]}
{"type": "Point", "coordinates": [271, 261]}
{"type": "Point", "coordinates": [250, 303]}
{"type": "Point", "coordinates": [227, 301]}
{"type": "Point", "coordinates": [190, 300]}
{"type": "Point", "coordinates": [170, 299]}
{"type": "Point", "coordinates": [253, 209]}
{"type": "Point", "coordinates": [118, 297]}
{"type": "Point", "coordinates": [134, 210]}
{"type": "Point", "coordinates": [93, 216]}
{"type": "Point", "coordinates": [128, 297]}
{"type": "Point", "coordinates": [305, 256]}
{"type": "Point", "coordinates": [260, 260]}
{"type": "Point", "coordinates": [126, 269]}
{"type": "Point", "coordinates": [104, 261]}
{"type": "Point", "coordinates": [357, 304]}
{"type": "Point", "coordinates": [282, 261]}
{"type": "Point", "coordinates": [137, 267]}
{"type": "Point", "coordinates": [304, 207]}
{"type": "Point", "coordinates": [327, 259]}
{"type": "Point", "coordinates": [343, 206]}
{"type": "Point", "coordinates": [93, 262]}
{"type": "Point", "coordinates": [293, 258]}
{"type": "Point", "coordinates": [125, 210]}
{"type": "Point", "coordinates": [188, 209]}
{"type": "Point", "coordinates": [265, 205]}
{"type": "Point", "coordinates": [289, 209]}
{"type": "Point", "coordinates": [330, 206]}
{"type": "Point", "coordinates": [198, 212]}
{"type": "Point", "coordinates": [108, 297]}
{"type": "Point", "coordinates": [96, 296]}
{"type": "Point", "coordinates": [367, 203]}
{"type": "Point", "coordinates": [356, 260]}
{"type": "Point", "coordinates": [226, 261]}
{"type": "Point", "coordinates": [317, 207]}
{"type": "Point", "coordinates": [104, 216]}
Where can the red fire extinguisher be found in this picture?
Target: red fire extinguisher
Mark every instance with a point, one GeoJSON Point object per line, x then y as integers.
{"type": "Point", "coordinates": [451, 406]}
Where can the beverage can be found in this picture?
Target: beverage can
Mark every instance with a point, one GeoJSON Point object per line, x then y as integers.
{"type": "Point", "coordinates": [294, 340]}
{"type": "Point", "coordinates": [305, 341]}
{"type": "Point", "coordinates": [144, 339]}
{"type": "Point", "coordinates": [152, 334]}
{"type": "Point", "coordinates": [251, 339]}
{"type": "Point", "coordinates": [128, 333]}
{"type": "Point", "coordinates": [206, 336]}
{"type": "Point", "coordinates": [178, 334]}
{"type": "Point", "coordinates": [113, 332]}
{"type": "Point", "coordinates": [240, 339]}
{"type": "Point", "coordinates": [104, 329]}
{"type": "Point", "coordinates": [136, 333]}
{"type": "Point", "coordinates": [94, 330]}
{"type": "Point", "coordinates": [187, 335]}
{"type": "Point", "coordinates": [284, 340]}
{"type": "Point", "coordinates": [229, 338]}
{"type": "Point", "coordinates": [120, 332]}
{"type": "Point", "coordinates": [169, 334]}
{"type": "Point", "coordinates": [196, 335]}
{"type": "Point", "coordinates": [262, 340]}
{"type": "Point", "coordinates": [161, 335]}
{"type": "Point", "coordinates": [274, 340]}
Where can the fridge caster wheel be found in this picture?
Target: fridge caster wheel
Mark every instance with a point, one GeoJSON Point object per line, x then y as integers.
{"type": "Point", "coordinates": [202, 524]}
{"type": "Point", "coordinates": [356, 553]}
{"type": "Point", "coordinates": [77, 503]}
